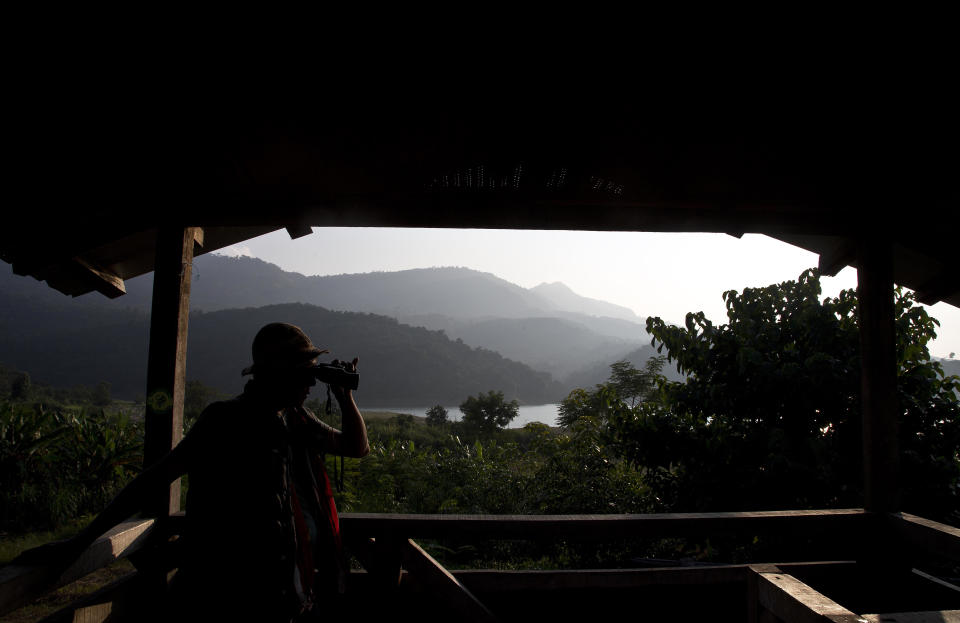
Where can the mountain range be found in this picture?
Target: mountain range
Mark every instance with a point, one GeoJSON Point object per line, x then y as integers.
{"type": "Point", "coordinates": [424, 336]}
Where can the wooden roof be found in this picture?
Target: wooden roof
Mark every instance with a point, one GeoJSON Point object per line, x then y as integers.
{"type": "Point", "coordinates": [818, 178]}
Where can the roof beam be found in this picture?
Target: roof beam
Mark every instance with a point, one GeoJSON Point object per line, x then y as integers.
{"type": "Point", "coordinates": [298, 231]}
{"type": "Point", "coordinates": [103, 281]}
{"type": "Point", "coordinates": [940, 287]}
{"type": "Point", "coordinates": [836, 259]}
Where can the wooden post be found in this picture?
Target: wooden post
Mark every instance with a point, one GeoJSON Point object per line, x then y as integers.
{"type": "Point", "coordinates": [878, 385]}
{"type": "Point", "coordinates": [166, 366]}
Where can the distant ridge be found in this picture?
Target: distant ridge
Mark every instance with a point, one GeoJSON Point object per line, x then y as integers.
{"type": "Point", "coordinates": [399, 364]}
{"type": "Point", "coordinates": [561, 296]}
{"type": "Point", "coordinates": [548, 328]}
{"type": "Point", "coordinates": [222, 282]}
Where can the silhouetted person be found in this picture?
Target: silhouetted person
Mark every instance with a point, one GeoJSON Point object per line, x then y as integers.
{"type": "Point", "coordinates": [262, 537]}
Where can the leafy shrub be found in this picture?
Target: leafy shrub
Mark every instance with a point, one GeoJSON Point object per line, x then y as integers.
{"type": "Point", "coordinates": [58, 464]}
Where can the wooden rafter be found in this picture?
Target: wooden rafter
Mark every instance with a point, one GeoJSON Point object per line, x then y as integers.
{"type": "Point", "coordinates": [298, 231]}
{"type": "Point", "coordinates": [104, 281]}
{"type": "Point", "coordinates": [836, 259]}
{"type": "Point", "coordinates": [942, 286]}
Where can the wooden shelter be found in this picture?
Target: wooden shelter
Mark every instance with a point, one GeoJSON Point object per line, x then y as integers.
{"type": "Point", "coordinates": [852, 184]}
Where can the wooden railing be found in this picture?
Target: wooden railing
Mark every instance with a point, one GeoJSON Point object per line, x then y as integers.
{"type": "Point", "coordinates": [386, 547]}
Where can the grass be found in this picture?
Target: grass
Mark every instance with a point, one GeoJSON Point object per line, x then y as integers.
{"type": "Point", "coordinates": [12, 545]}
{"type": "Point", "coordinates": [373, 416]}
{"type": "Point", "coordinates": [64, 596]}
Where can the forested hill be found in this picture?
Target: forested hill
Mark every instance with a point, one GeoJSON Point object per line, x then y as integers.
{"type": "Point", "coordinates": [64, 344]}
{"type": "Point", "coordinates": [550, 328]}
{"type": "Point", "coordinates": [227, 283]}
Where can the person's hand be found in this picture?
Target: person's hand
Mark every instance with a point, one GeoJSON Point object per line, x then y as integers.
{"type": "Point", "coordinates": [341, 393]}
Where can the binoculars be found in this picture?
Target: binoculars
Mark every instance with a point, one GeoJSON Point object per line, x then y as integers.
{"type": "Point", "coordinates": [336, 374]}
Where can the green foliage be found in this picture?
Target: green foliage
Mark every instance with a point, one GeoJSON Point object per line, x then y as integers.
{"type": "Point", "coordinates": [58, 464]}
{"type": "Point", "coordinates": [196, 397]}
{"type": "Point", "coordinates": [626, 384]}
{"type": "Point", "coordinates": [437, 416]}
{"type": "Point", "coordinates": [101, 394]}
{"type": "Point", "coordinates": [20, 388]}
{"type": "Point", "coordinates": [770, 414]}
{"type": "Point", "coordinates": [488, 412]}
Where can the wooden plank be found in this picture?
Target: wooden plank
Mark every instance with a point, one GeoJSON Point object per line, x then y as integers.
{"type": "Point", "coordinates": [490, 580]}
{"type": "Point", "coordinates": [927, 535]}
{"type": "Point", "coordinates": [605, 527]}
{"type": "Point", "coordinates": [21, 584]}
{"type": "Point", "coordinates": [104, 281]}
{"type": "Point", "coordinates": [881, 457]}
{"type": "Point", "coordinates": [936, 616]}
{"type": "Point", "coordinates": [953, 588]}
{"type": "Point", "coordinates": [791, 600]}
{"type": "Point", "coordinates": [110, 603]}
{"type": "Point", "coordinates": [424, 568]}
{"type": "Point", "coordinates": [166, 365]}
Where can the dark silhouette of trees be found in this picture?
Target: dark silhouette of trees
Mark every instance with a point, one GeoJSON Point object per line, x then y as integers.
{"type": "Point", "coordinates": [437, 416]}
{"type": "Point", "coordinates": [101, 394]}
{"type": "Point", "coordinates": [770, 414]}
{"type": "Point", "coordinates": [20, 387]}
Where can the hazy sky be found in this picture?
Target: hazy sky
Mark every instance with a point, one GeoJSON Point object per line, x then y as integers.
{"type": "Point", "coordinates": [654, 274]}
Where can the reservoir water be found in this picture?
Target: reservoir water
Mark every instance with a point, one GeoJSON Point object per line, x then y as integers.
{"type": "Point", "coordinates": [526, 414]}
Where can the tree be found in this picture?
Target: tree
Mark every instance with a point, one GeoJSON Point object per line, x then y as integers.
{"type": "Point", "coordinates": [101, 394]}
{"type": "Point", "coordinates": [20, 388]}
{"type": "Point", "coordinates": [626, 384]}
{"type": "Point", "coordinates": [196, 397]}
{"type": "Point", "coordinates": [488, 412]}
{"type": "Point", "coordinates": [769, 415]}
{"type": "Point", "coordinates": [437, 416]}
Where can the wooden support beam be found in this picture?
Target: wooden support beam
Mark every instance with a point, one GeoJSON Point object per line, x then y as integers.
{"type": "Point", "coordinates": [120, 600]}
{"type": "Point", "coordinates": [791, 600]}
{"type": "Point", "coordinates": [105, 282]}
{"type": "Point", "coordinates": [833, 261]}
{"type": "Point", "coordinates": [298, 231]}
{"type": "Point", "coordinates": [387, 562]}
{"type": "Point", "coordinates": [930, 537]}
{"type": "Point", "coordinates": [166, 364]}
{"type": "Point", "coordinates": [849, 522]}
{"type": "Point", "coordinates": [495, 580]}
{"type": "Point", "coordinates": [21, 584]}
{"type": "Point", "coordinates": [424, 568]}
{"type": "Point", "coordinates": [938, 616]}
{"type": "Point", "coordinates": [878, 386]}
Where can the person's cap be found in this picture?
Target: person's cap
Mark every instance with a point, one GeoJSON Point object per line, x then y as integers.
{"type": "Point", "coordinates": [281, 346]}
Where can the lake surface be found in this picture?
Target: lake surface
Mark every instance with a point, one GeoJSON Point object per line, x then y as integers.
{"type": "Point", "coordinates": [526, 414]}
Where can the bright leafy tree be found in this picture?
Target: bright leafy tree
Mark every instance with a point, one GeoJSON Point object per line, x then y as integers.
{"type": "Point", "coordinates": [488, 412]}
{"type": "Point", "coordinates": [626, 384]}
